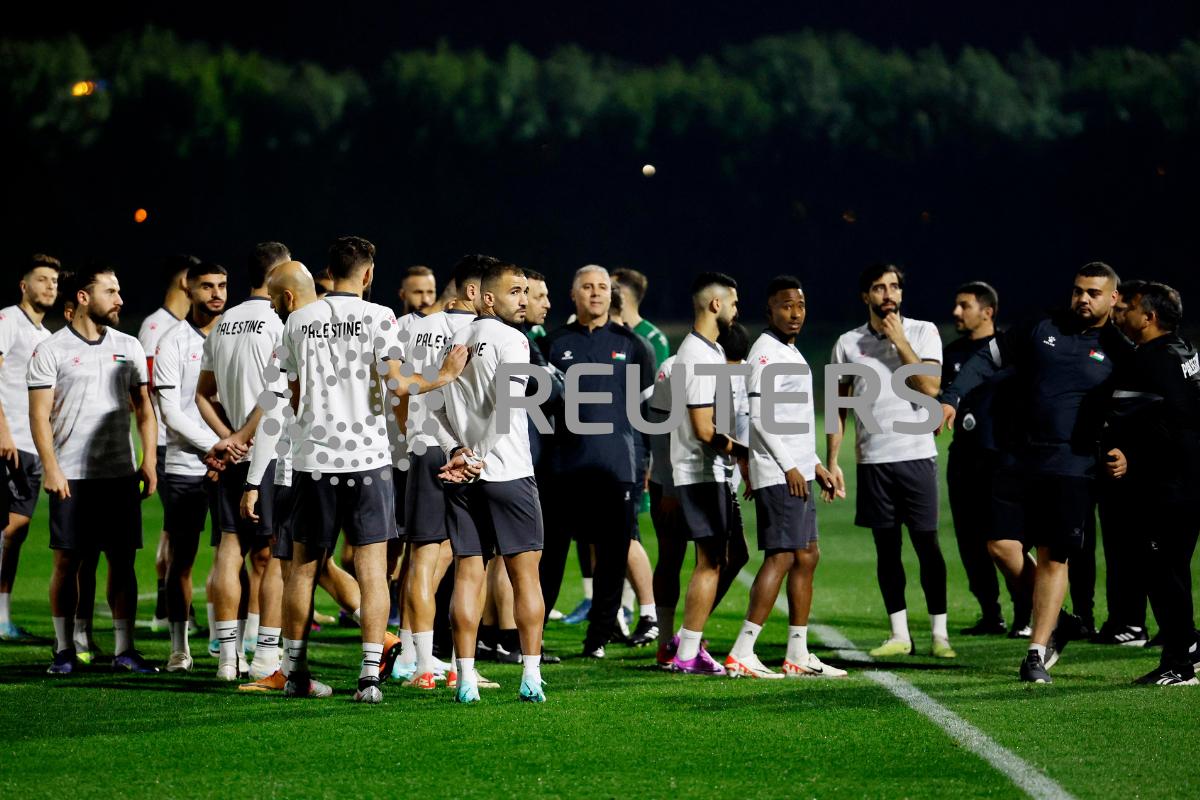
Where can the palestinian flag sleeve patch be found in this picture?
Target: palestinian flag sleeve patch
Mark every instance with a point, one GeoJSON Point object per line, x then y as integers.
{"type": "Point", "coordinates": [1096, 355]}
{"type": "Point", "coordinates": [119, 358]}
{"type": "Point", "coordinates": [617, 356]}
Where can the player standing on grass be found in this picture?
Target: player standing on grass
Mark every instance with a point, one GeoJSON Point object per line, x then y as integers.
{"type": "Point", "coordinates": [500, 512]}
{"type": "Point", "coordinates": [897, 472]}
{"type": "Point", "coordinates": [784, 474]}
{"type": "Point", "coordinates": [184, 486]}
{"type": "Point", "coordinates": [82, 382]}
{"type": "Point", "coordinates": [21, 332]}
{"type": "Point", "coordinates": [703, 461]}
{"type": "Point", "coordinates": [340, 358]}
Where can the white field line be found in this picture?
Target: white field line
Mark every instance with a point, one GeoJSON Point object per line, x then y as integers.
{"type": "Point", "coordinates": [1024, 775]}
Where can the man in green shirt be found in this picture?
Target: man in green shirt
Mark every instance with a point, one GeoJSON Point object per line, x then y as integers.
{"type": "Point", "coordinates": [633, 289]}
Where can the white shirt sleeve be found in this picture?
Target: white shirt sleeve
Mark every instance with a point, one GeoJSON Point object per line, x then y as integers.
{"type": "Point", "coordinates": [772, 441]}
{"type": "Point", "coordinates": [8, 333]}
{"type": "Point", "coordinates": [43, 368]}
{"type": "Point", "coordinates": [927, 343]}
{"type": "Point", "coordinates": [700, 390]}
{"type": "Point", "coordinates": [141, 375]}
{"type": "Point", "coordinates": [167, 376]}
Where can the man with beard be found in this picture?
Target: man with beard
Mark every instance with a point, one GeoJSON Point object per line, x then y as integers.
{"type": "Point", "coordinates": [82, 381]}
{"type": "Point", "coordinates": [184, 486]}
{"type": "Point", "coordinates": [21, 332]}
{"type": "Point", "coordinates": [418, 290]}
{"type": "Point", "coordinates": [897, 472]}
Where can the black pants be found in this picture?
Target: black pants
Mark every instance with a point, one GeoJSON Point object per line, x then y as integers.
{"type": "Point", "coordinates": [1167, 551]}
{"type": "Point", "coordinates": [557, 543]}
{"type": "Point", "coordinates": [969, 485]}
{"type": "Point", "coordinates": [889, 568]}
{"type": "Point", "coordinates": [1082, 572]}
{"type": "Point", "coordinates": [1125, 580]}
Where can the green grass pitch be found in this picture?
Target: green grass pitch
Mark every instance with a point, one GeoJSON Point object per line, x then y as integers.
{"type": "Point", "coordinates": [614, 729]}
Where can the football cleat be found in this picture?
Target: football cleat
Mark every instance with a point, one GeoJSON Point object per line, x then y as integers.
{"type": "Point", "coordinates": [580, 613]}
{"type": "Point", "coordinates": [702, 664]}
{"type": "Point", "coordinates": [179, 662]}
{"type": "Point", "coordinates": [986, 627]}
{"type": "Point", "coordinates": [305, 686]}
{"type": "Point", "coordinates": [86, 657]}
{"type": "Point", "coordinates": [1184, 675]}
{"type": "Point", "coordinates": [593, 652]}
{"type": "Point", "coordinates": [423, 681]}
{"type": "Point", "coordinates": [942, 649]}
{"type": "Point", "coordinates": [1033, 669]}
{"type": "Point", "coordinates": [645, 633]}
{"type": "Point", "coordinates": [1124, 635]}
{"type": "Point", "coordinates": [531, 690]}
{"type": "Point", "coordinates": [158, 624]}
{"type": "Point", "coordinates": [368, 691]}
{"type": "Point", "coordinates": [391, 654]}
{"type": "Point", "coordinates": [10, 632]}
{"type": "Point", "coordinates": [227, 672]}
{"type": "Point", "coordinates": [402, 671]}
{"type": "Point", "coordinates": [467, 693]}
{"type": "Point", "coordinates": [555, 615]}
{"type": "Point", "coordinates": [132, 661]}
{"type": "Point", "coordinates": [271, 683]}
{"type": "Point", "coordinates": [485, 683]}
{"type": "Point", "coordinates": [666, 652]}
{"type": "Point", "coordinates": [748, 667]}
{"type": "Point", "coordinates": [63, 663]}
{"type": "Point", "coordinates": [811, 667]}
{"type": "Point", "coordinates": [503, 656]}
{"type": "Point", "coordinates": [893, 647]}
{"type": "Point", "coordinates": [214, 648]}
{"type": "Point", "coordinates": [1020, 631]}
{"type": "Point", "coordinates": [259, 669]}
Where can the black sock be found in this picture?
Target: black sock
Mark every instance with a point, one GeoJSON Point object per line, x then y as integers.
{"type": "Point", "coordinates": [510, 640]}
{"type": "Point", "coordinates": [160, 603]}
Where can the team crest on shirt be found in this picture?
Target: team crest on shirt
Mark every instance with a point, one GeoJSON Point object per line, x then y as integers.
{"type": "Point", "coordinates": [762, 360]}
{"type": "Point", "coordinates": [566, 356]}
{"type": "Point", "coordinates": [75, 362]}
{"type": "Point", "coordinates": [194, 356]}
{"type": "Point", "coordinates": [119, 358]}
{"type": "Point", "coordinates": [153, 326]}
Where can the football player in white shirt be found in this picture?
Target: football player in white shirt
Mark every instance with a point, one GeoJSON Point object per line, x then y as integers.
{"type": "Point", "coordinates": [782, 470]}
{"type": "Point", "coordinates": [234, 361]}
{"type": "Point", "coordinates": [21, 332]}
{"type": "Point", "coordinates": [184, 486]}
{"type": "Point", "coordinates": [418, 290]}
{"type": "Point", "coordinates": [500, 512]}
{"type": "Point", "coordinates": [897, 472]}
{"type": "Point", "coordinates": [339, 354]}
{"type": "Point", "coordinates": [175, 306]}
{"type": "Point", "coordinates": [82, 382]}
{"type": "Point", "coordinates": [703, 462]}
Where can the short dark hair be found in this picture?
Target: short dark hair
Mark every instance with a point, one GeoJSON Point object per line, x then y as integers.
{"type": "Point", "coordinates": [985, 294]}
{"type": "Point", "coordinates": [264, 256]}
{"type": "Point", "coordinates": [735, 341]}
{"type": "Point", "coordinates": [40, 260]}
{"type": "Point", "coordinates": [636, 281]}
{"type": "Point", "coordinates": [706, 279]}
{"type": "Point", "coordinates": [534, 275]}
{"type": "Point", "coordinates": [349, 254]}
{"type": "Point", "coordinates": [417, 271]}
{"type": "Point", "coordinates": [1128, 289]}
{"type": "Point", "coordinates": [204, 268]}
{"type": "Point", "coordinates": [496, 272]}
{"type": "Point", "coordinates": [1098, 269]}
{"type": "Point", "coordinates": [1164, 302]}
{"type": "Point", "coordinates": [82, 280]}
{"type": "Point", "coordinates": [782, 283]}
{"type": "Point", "coordinates": [615, 304]}
{"type": "Point", "coordinates": [867, 278]}
{"type": "Point", "coordinates": [173, 265]}
{"type": "Point", "coordinates": [470, 269]}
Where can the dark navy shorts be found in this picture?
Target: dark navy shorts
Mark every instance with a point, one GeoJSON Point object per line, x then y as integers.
{"type": "Point", "coordinates": [424, 503]}
{"type": "Point", "coordinates": [359, 503]}
{"type": "Point", "coordinates": [899, 493]}
{"type": "Point", "coordinates": [490, 517]}
{"type": "Point", "coordinates": [785, 522]}
{"type": "Point", "coordinates": [101, 514]}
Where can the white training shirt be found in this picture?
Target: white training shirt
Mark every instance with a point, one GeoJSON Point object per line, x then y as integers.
{"type": "Point", "coordinates": [660, 443]}
{"type": "Point", "coordinates": [89, 416]}
{"type": "Point", "coordinates": [238, 352]}
{"type": "Point", "coordinates": [431, 337]}
{"type": "Point", "coordinates": [741, 421]}
{"type": "Point", "coordinates": [176, 373]}
{"type": "Point", "coordinates": [692, 461]}
{"type": "Point", "coordinates": [153, 327]}
{"type": "Point", "coordinates": [864, 346]}
{"type": "Point", "coordinates": [468, 414]}
{"type": "Point", "coordinates": [19, 337]}
{"type": "Point", "coordinates": [772, 454]}
{"type": "Point", "coordinates": [335, 347]}
{"type": "Point", "coordinates": [271, 440]}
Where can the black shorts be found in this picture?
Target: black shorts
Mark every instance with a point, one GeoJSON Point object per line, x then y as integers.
{"type": "Point", "coordinates": [1056, 509]}
{"type": "Point", "coordinates": [231, 485]}
{"type": "Point", "coordinates": [635, 503]}
{"type": "Point", "coordinates": [709, 511]}
{"type": "Point", "coordinates": [24, 483]}
{"type": "Point", "coordinates": [282, 498]}
{"type": "Point", "coordinates": [489, 517]}
{"type": "Point", "coordinates": [1007, 505]}
{"type": "Point", "coordinates": [899, 493]}
{"type": "Point", "coordinates": [359, 503]}
{"type": "Point", "coordinates": [186, 502]}
{"type": "Point", "coordinates": [400, 494]}
{"type": "Point", "coordinates": [969, 474]}
{"type": "Point", "coordinates": [100, 514]}
{"type": "Point", "coordinates": [666, 523]}
{"type": "Point", "coordinates": [423, 506]}
{"type": "Point", "coordinates": [785, 522]}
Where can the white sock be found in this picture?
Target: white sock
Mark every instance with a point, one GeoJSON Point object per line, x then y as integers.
{"type": "Point", "coordinates": [372, 658]}
{"type": "Point", "coordinates": [296, 658]}
{"type": "Point", "coordinates": [83, 634]}
{"type": "Point", "coordinates": [1040, 649]}
{"type": "Point", "coordinates": [587, 588]}
{"type": "Point", "coordinates": [666, 626]}
{"type": "Point", "coordinates": [689, 644]}
{"type": "Point", "coordinates": [179, 638]}
{"type": "Point", "coordinates": [533, 668]}
{"type": "Point", "coordinates": [266, 648]}
{"type": "Point", "coordinates": [466, 672]}
{"type": "Point", "coordinates": [797, 643]}
{"type": "Point", "coordinates": [744, 644]}
{"type": "Point", "coordinates": [226, 633]}
{"type": "Point", "coordinates": [250, 631]}
{"type": "Point", "coordinates": [123, 633]}
{"type": "Point", "coordinates": [938, 621]}
{"type": "Point", "coordinates": [212, 619]}
{"type": "Point", "coordinates": [627, 595]}
{"type": "Point", "coordinates": [4, 608]}
{"type": "Point", "coordinates": [64, 638]}
{"type": "Point", "coordinates": [899, 622]}
{"type": "Point", "coordinates": [408, 653]}
{"type": "Point", "coordinates": [423, 644]}
{"type": "Point", "coordinates": [648, 611]}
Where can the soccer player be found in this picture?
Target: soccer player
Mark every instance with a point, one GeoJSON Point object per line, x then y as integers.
{"type": "Point", "coordinates": [175, 306]}
{"type": "Point", "coordinates": [1155, 448]}
{"type": "Point", "coordinates": [971, 464]}
{"type": "Point", "coordinates": [82, 381]}
{"type": "Point", "coordinates": [499, 510]}
{"type": "Point", "coordinates": [897, 472]}
{"type": "Point", "coordinates": [418, 290]}
{"type": "Point", "coordinates": [339, 356]}
{"type": "Point", "coordinates": [703, 461]}
{"type": "Point", "coordinates": [185, 488]}
{"type": "Point", "coordinates": [784, 474]}
{"type": "Point", "coordinates": [665, 514]}
{"type": "Point", "coordinates": [1063, 368]}
{"type": "Point", "coordinates": [21, 332]}
{"type": "Point", "coordinates": [231, 381]}
{"type": "Point", "coordinates": [607, 465]}
{"type": "Point", "coordinates": [633, 285]}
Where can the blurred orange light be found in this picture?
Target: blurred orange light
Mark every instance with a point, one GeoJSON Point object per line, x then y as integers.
{"type": "Point", "coordinates": [83, 88]}
{"type": "Point", "coordinates": [140, 216]}
{"type": "Point", "coordinates": [849, 216]}
{"type": "Point", "coordinates": [926, 216]}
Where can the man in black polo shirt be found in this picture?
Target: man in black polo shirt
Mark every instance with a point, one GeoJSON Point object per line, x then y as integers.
{"type": "Point", "coordinates": [1063, 367]}
{"type": "Point", "coordinates": [595, 474]}
{"type": "Point", "coordinates": [1155, 438]}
